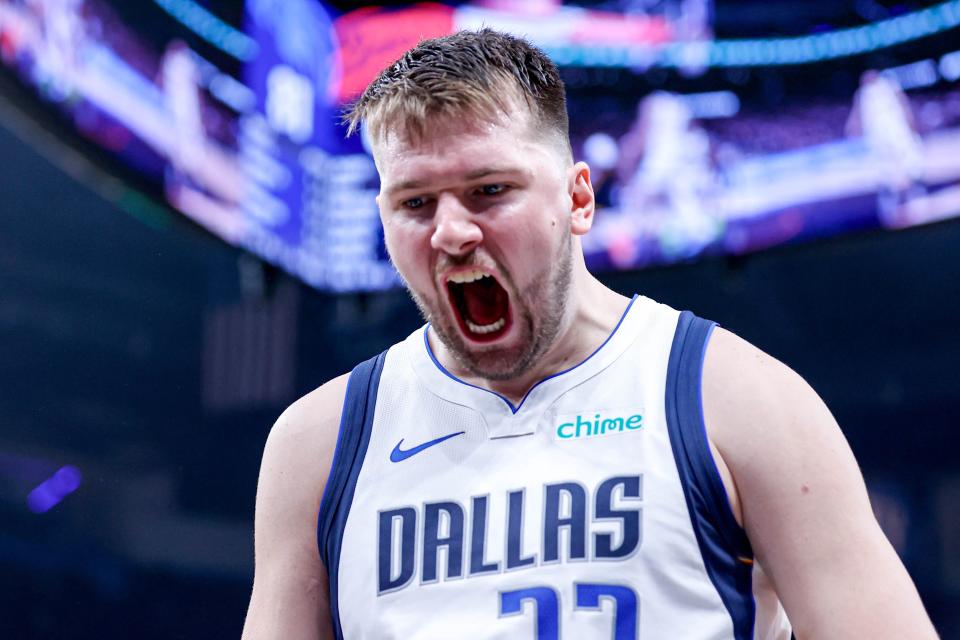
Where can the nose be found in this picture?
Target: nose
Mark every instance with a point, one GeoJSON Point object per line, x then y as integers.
{"type": "Point", "coordinates": [455, 231]}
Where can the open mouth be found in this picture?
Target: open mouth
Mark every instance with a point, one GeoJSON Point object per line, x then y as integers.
{"type": "Point", "coordinates": [481, 305]}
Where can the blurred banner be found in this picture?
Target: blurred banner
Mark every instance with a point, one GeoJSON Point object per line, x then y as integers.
{"type": "Point", "coordinates": [257, 155]}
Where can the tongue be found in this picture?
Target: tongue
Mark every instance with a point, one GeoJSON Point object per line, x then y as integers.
{"type": "Point", "coordinates": [486, 301]}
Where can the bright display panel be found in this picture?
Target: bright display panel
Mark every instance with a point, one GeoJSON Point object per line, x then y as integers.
{"type": "Point", "coordinates": [699, 145]}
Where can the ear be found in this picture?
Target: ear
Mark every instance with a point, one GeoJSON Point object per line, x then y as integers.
{"type": "Point", "coordinates": [583, 203]}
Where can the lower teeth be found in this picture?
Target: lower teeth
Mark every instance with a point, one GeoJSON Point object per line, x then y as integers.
{"type": "Point", "coordinates": [487, 328]}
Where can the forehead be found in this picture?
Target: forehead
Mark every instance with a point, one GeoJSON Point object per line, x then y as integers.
{"type": "Point", "coordinates": [453, 147]}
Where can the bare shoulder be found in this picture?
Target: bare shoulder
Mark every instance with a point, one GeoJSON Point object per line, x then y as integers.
{"type": "Point", "coordinates": [293, 472]}
{"type": "Point", "coordinates": [772, 430]}
{"type": "Point", "coordinates": [297, 459]}
{"type": "Point", "coordinates": [766, 420]}
{"type": "Point", "coordinates": [303, 438]}
{"type": "Point", "coordinates": [804, 504]}
{"type": "Point", "coordinates": [290, 596]}
{"type": "Point", "coordinates": [746, 391]}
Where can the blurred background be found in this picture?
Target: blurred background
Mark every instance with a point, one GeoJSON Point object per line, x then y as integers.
{"type": "Point", "coordinates": [188, 243]}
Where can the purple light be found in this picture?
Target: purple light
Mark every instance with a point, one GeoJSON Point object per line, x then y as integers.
{"type": "Point", "coordinates": [54, 489]}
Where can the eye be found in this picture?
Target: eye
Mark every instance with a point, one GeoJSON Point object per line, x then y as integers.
{"type": "Point", "coordinates": [412, 203]}
{"type": "Point", "coordinates": [492, 189]}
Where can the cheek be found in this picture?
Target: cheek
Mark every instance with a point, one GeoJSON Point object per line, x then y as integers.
{"type": "Point", "coordinates": [398, 237]}
{"type": "Point", "coordinates": [535, 231]}
{"type": "Point", "coordinates": [409, 249]}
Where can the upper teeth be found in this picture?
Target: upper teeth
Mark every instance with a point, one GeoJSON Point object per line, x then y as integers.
{"type": "Point", "coordinates": [467, 276]}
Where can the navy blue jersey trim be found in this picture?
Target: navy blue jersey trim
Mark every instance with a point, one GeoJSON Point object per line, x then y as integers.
{"type": "Point", "coordinates": [723, 544]}
{"type": "Point", "coordinates": [515, 409]}
{"type": "Point", "coordinates": [356, 423]}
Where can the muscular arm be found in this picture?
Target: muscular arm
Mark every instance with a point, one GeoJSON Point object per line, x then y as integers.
{"type": "Point", "coordinates": [803, 501]}
{"type": "Point", "coordinates": [290, 597]}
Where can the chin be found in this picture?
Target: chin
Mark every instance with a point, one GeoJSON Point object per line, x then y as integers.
{"type": "Point", "coordinates": [507, 356]}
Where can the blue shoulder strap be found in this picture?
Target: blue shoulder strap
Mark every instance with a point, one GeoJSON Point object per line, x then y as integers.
{"type": "Point", "coordinates": [356, 421]}
{"type": "Point", "coordinates": [724, 546]}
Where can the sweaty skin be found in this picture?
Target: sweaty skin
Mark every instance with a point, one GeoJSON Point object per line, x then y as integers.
{"type": "Point", "coordinates": [501, 196]}
{"type": "Point", "coordinates": [498, 196]}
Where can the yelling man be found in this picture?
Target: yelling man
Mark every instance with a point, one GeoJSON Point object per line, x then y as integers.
{"type": "Point", "coordinates": [546, 458]}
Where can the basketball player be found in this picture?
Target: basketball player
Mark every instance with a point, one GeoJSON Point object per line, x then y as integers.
{"type": "Point", "coordinates": [546, 458]}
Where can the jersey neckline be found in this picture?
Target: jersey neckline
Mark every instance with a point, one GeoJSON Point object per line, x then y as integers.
{"type": "Point", "coordinates": [496, 407]}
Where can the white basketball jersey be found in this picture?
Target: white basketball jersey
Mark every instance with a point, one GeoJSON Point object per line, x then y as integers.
{"type": "Point", "coordinates": [593, 509]}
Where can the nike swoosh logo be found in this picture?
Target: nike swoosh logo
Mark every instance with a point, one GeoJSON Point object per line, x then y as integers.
{"type": "Point", "coordinates": [399, 454]}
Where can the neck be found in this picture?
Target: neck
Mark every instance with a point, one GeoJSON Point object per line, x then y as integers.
{"type": "Point", "coordinates": [593, 312]}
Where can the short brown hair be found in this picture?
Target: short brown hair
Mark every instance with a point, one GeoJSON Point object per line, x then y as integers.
{"type": "Point", "coordinates": [469, 72]}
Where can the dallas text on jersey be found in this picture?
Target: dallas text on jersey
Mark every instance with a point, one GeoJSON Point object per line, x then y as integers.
{"type": "Point", "coordinates": [442, 528]}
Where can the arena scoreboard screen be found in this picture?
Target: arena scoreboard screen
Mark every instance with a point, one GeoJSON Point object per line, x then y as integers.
{"type": "Point", "coordinates": [699, 145]}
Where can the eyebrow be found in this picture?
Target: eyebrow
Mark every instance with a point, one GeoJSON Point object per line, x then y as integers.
{"type": "Point", "coordinates": [483, 172]}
